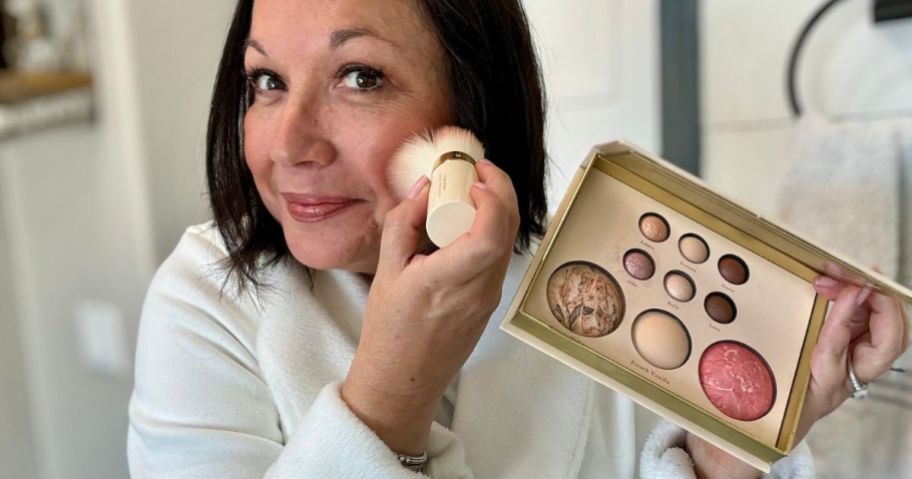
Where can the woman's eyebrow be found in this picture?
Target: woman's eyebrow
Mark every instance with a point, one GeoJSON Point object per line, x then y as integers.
{"type": "Point", "coordinates": [251, 43]}
{"type": "Point", "coordinates": [340, 37]}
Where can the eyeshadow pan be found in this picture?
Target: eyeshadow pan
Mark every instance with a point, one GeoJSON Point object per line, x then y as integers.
{"type": "Point", "coordinates": [639, 264]}
{"type": "Point", "coordinates": [733, 269]}
{"type": "Point", "coordinates": [693, 248]}
{"type": "Point", "coordinates": [679, 286]}
{"type": "Point", "coordinates": [737, 380]}
{"type": "Point", "coordinates": [585, 299]}
{"type": "Point", "coordinates": [661, 339]}
{"type": "Point", "coordinates": [654, 227]}
{"type": "Point", "coordinates": [720, 308]}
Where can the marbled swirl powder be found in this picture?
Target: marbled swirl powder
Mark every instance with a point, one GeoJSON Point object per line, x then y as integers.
{"type": "Point", "coordinates": [585, 299]}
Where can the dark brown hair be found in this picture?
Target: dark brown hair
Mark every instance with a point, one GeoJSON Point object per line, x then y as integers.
{"type": "Point", "coordinates": [496, 87]}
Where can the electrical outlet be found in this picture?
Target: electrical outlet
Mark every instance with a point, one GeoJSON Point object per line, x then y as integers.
{"type": "Point", "coordinates": [102, 337]}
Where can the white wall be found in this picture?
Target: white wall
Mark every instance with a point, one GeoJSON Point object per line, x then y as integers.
{"type": "Point", "coordinates": [600, 60]}
{"type": "Point", "coordinates": [177, 47]}
{"type": "Point", "coordinates": [16, 442]}
{"type": "Point", "coordinates": [65, 217]}
{"type": "Point", "coordinates": [850, 68]}
{"type": "Point", "coordinates": [89, 211]}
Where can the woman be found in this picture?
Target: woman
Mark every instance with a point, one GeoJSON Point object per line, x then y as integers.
{"type": "Point", "coordinates": [302, 334]}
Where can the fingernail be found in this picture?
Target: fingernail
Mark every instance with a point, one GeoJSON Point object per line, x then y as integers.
{"type": "Point", "coordinates": [834, 269]}
{"type": "Point", "coordinates": [417, 187]}
{"type": "Point", "coordinates": [487, 161]}
{"type": "Point", "coordinates": [863, 295]}
{"type": "Point", "coordinates": [825, 282]}
{"type": "Point", "coordinates": [481, 185]}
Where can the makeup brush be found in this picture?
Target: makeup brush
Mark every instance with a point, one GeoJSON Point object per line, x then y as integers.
{"type": "Point", "coordinates": [447, 156]}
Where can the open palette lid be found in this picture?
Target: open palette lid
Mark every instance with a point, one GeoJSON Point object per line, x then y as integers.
{"type": "Point", "coordinates": [681, 183]}
{"type": "Point", "coordinates": [741, 226]}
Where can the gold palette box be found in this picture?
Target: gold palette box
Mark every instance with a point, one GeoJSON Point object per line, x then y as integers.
{"type": "Point", "coordinates": [653, 284]}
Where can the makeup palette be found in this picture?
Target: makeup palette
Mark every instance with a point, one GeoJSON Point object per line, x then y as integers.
{"type": "Point", "coordinates": [654, 285]}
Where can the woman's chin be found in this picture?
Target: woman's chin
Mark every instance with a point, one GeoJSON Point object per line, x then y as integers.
{"type": "Point", "coordinates": [350, 244]}
{"type": "Point", "coordinates": [333, 258]}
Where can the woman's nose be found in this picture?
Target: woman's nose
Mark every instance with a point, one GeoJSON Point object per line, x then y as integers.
{"type": "Point", "coordinates": [299, 140]}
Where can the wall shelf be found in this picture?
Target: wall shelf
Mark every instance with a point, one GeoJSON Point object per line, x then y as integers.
{"type": "Point", "coordinates": [32, 102]}
{"type": "Point", "coordinates": [17, 87]}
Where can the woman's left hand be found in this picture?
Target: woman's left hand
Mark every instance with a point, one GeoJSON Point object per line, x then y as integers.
{"type": "Point", "coordinates": [870, 328]}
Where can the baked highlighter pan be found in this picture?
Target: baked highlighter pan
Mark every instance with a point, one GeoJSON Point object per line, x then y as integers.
{"type": "Point", "coordinates": [652, 284]}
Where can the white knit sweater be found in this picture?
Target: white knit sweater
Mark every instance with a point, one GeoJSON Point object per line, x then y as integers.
{"type": "Point", "coordinates": [245, 386]}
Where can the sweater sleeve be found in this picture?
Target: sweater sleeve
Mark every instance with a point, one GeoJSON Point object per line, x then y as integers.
{"type": "Point", "coordinates": [663, 457]}
{"type": "Point", "coordinates": [201, 408]}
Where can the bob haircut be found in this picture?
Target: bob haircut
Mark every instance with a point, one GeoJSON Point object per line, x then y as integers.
{"type": "Point", "coordinates": [496, 88]}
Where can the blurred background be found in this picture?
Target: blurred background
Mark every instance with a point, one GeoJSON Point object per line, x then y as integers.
{"type": "Point", "coordinates": [103, 109]}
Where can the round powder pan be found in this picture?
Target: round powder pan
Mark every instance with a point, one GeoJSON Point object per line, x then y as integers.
{"type": "Point", "coordinates": [585, 299]}
{"type": "Point", "coordinates": [693, 248]}
{"type": "Point", "coordinates": [680, 286]}
{"type": "Point", "coordinates": [737, 380]}
{"type": "Point", "coordinates": [720, 307]}
{"type": "Point", "coordinates": [734, 269]}
{"type": "Point", "coordinates": [661, 339]}
{"type": "Point", "coordinates": [639, 264]}
{"type": "Point", "coordinates": [654, 227]}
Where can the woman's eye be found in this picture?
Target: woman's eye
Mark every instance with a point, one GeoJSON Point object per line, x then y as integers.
{"type": "Point", "coordinates": [362, 79]}
{"type": "Point", "coordinates": [265, 81]}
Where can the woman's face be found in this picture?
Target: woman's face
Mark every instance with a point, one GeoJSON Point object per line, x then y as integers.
{"type": "Point", "coordinates": [337, 86]}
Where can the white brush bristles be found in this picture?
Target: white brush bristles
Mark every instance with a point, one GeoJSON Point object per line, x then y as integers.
{"type": "Point", "coordinates": [418, 154]}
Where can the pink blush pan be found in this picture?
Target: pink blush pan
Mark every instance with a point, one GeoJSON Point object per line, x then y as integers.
{"type": "Point", "coordinates": [737, 381]}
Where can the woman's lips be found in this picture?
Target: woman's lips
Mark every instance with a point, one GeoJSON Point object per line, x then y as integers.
{"type": "Point", "coordinates": [312, 208]}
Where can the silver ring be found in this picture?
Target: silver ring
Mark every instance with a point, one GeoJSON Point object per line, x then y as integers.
{"type": "Point", "coordinates": [860, 389]}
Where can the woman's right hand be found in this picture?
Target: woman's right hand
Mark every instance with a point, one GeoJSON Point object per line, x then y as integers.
{"type": "Point", "coordinates": [426, 313]}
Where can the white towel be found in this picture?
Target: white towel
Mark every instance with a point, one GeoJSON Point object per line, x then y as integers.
{"type": "Point", "coordinates": [845, 190]}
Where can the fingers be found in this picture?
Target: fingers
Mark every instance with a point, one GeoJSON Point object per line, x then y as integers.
{"type": "Point", "coordinates": [495, 200]}
{"type": "Point", "coordinates": [493, 218]}
{"type": "Point", "coordinates": [887, 326]}
{"type": "Point", "coordinates": [497, 214]}
{"type": "Point", "coordinates": [497, 181]}
{"type": "Point", "coordinates": [836, 331]}
{"type": "Point", "coordinates": [828, 359]}
{"type": "Point", "coordinates": [883, 316]}
{"type": "Point", "coordinates": [490, 239]}
{"type": "Point", "coordinates": [486, 244]}
{"type": "Point", "coordinates": [402, 229]}
{"type": "Point", "coordinates": [829, 287]}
